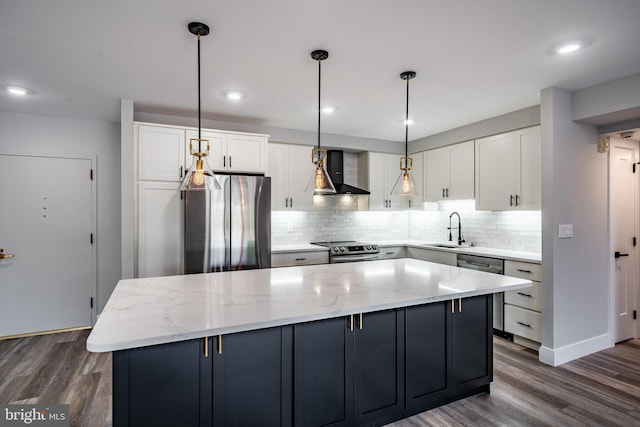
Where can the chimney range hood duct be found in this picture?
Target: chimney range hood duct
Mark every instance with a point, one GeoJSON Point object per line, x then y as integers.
{"type": "Point", "coordinates": [335, 168]}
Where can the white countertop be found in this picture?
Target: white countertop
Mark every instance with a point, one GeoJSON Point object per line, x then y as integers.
{"type": "Point", "coordinates": [143, 312]}
{"type": "Point", "coordinates": [534, 257]}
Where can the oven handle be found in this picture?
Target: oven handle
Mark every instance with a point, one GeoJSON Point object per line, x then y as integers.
{"type": "Point", "coordinates": [352, 258]}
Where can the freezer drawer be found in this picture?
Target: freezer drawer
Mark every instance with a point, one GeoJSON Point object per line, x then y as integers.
{"type": "Point", "coordinates": [522, 322]}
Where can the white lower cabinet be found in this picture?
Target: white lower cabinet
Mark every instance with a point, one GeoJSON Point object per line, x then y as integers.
{"type": "Point", "coordinates": [393, 252]}
{"type": "Point", "coordinates": [290, 259]}
{"type": "Point", "coordinates": [159, 230]}
{"type": "Point", "coordinates": [433, 255]}
{"type": "Point", "coordinates": [522, 307]}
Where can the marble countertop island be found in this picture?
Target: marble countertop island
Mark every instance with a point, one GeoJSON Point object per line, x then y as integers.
{"type": "Point", "coordinates": [144, 312]}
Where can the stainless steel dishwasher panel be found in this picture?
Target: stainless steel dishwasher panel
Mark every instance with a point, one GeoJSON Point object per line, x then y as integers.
{"type": "Point", "coordinates": [489, 265]}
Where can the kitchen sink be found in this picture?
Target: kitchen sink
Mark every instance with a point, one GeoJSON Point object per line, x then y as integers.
{"type": "Point", "coordinates": [447, 245]}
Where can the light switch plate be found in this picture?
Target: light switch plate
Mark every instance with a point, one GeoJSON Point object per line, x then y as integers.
{"type": "Point", "coordinates": [565, 231]}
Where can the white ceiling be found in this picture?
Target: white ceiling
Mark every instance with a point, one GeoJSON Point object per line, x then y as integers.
{"type": "Point", "coordinates": [474, 59]}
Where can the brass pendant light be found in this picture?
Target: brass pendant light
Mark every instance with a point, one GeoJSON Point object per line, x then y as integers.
{"type": "Point", "coordinates": [405, 184]}
{"type": "Point", "coordinates": [320, 178]}
{"type": "Point", "coordinates": [200, 176]}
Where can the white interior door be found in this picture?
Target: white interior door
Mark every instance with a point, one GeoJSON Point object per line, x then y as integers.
{"type": "Point", "coordinates": [624, 194]}
{"type": "Point", "coordinates": [46, 223]}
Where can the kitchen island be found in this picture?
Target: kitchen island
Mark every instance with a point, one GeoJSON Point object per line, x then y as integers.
{"type": "Point", "coordinates": [341, 344]}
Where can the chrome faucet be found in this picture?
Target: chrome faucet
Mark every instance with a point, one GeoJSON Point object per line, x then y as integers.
{"type": "Point", "coordinates": [460, 239]}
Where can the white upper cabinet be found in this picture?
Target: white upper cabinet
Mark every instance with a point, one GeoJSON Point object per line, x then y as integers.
{"type": "Point", "coordinates": [380, 171]}
{"type": "Point", "coordinates": [159, 152]}
{"type": "Point", "coordinates": [233, 152]}
{"type": "Point", "coordinates": [508, 171]}
{"type": "Point", "coordinates": [449, 172]}
{"type": "Point", "coordinates": [290, 168]}
{"type": "Point", "coordinates": [415, 202]}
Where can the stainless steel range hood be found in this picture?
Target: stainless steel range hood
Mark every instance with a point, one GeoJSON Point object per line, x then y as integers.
{"type": "Point", "coordinates": [335, 167]}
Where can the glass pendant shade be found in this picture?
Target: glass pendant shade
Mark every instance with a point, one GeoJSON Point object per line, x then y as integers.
{"type": "Point", "coordinates": [199, 177]}
{"type": "Point", "coordinates": [319, 179]}
{"type": "Point", "coordinates": [405, 184]}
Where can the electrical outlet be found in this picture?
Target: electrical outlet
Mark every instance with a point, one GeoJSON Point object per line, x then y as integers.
{"type": "Point", "coordinates": [565, 231]}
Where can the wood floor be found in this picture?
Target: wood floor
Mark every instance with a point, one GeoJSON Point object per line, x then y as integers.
{"type": "Point", "coordinates": [602, 389]}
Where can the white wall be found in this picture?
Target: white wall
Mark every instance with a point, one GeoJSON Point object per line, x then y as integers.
{"type": "Point", "coordinates": [33, 134]}
{"type": "Point", "coordinates": [575, 291]}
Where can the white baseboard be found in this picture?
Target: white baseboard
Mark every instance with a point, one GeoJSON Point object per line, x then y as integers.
{"type": "Point", "coordinates": [558, 356]}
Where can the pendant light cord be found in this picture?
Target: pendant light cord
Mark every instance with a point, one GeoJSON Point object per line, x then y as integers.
{"type": "Point", "coordinates": [199, 118]}
{"type": "Point", "coordinates": [319, 86]}
{"type": "Point", "coordinates": [406, 130]}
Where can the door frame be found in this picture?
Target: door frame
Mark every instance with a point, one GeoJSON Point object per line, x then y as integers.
{"type": "Point", "coordinates": [94, 208]}
{"type": "Point", "coordinates": [636, 259]}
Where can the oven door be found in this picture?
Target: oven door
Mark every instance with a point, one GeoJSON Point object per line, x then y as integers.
{"type": "Point", "coordinates": [353, 258]}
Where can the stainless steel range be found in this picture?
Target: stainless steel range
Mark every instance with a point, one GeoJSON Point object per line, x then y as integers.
{"type": "Point", "coordinates": [350, 251]}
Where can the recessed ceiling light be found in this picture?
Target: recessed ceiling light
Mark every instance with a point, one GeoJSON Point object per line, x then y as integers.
{"type": "Point", "coordinates": [568, 47]}
{"type": "Point", "coordinates": [234, 95]}
{"type": "Point", "coordinates": [16, 90]}
{"type": "Point", "coordinates": [407, 122]}
{"type": "Point", "coordinates": [328, 110]}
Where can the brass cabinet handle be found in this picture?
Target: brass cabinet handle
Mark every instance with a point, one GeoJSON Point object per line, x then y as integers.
{"type": "Point", "coordinates": [5, 256]}
{"type": "Point", "coordinates": [206, 346]}
{"type": "Point", "coordinates": [219, 344]}
{"type": "Point", "coordinates": [453, 307]}
{"type": "Point", "coordinates": [360, 324]}
{"type": "Point", "coordinates": [459, 305]}
{"type": "Point", "coordinates": [351, 322]}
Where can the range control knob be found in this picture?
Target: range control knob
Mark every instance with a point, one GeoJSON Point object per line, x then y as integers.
{"type": "Point", "coordinates": [334, 249]}
{"type": "Point", "coordinates": [342, 249]}
{"type": "Point", "coordinates": [374, 247]}
{"type": "Point", "coordinates": [368, 248]}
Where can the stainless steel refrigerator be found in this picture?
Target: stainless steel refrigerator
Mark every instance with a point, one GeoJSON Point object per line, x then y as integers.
{"type": "Point", "coordinates": [228, 229]}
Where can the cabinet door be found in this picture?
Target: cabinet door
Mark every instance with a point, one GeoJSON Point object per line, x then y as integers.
{"type": "Point", "coordinates": [218, 148]}
{"type": "Point", "coordinates": [427, 346]}
{"type": "Point", "coordinates": [461, 171]}
{"type": "Point", "coordinates": [160, 229]}
{"type": "Point", "coordinates": [323, 373]}
{"type": "Point", "coordinates": [300, 167]}
{"type": "Point", "coordinates": [160, 153]}
{"type": "Point", "coordinates": [379, 367]}
{"type": "Point", "coordinates": [496, 167]}
{"type": "Point", "coordinates": [246, 153]}
{"type": "Point", "coordinates": [377, 181]}
{"type": "Point", "coordinates": [392, 172]}
{"type": "Point", "coordinates": [252, 378]}
{"type": "Point", "coordinates": [436, 173]}
{"type": "Point", "coordinates": [161, 385]}
{"type": "Point", "coordinates": [529, 196]}
{"type": "Point", "coordinates": [433, 255]}
{"type": "Point", "coordinates": [417, 172]}
{"type": "Point", "coordinates": [277, 170]}
{"type": "Point", "coordinates": [472, 342]}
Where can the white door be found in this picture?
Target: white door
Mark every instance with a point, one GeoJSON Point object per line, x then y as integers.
{"type": "Point", "coordinates": [46, 223]}
{"type": "Point", "coordinates": [624, 192]}
{"type": "Point", "coordinates": [496, 158]}
{"type": "Point", "coordinates": [300, 169]}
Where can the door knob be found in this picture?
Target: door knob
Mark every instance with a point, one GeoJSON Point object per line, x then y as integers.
{"type": "Point", "coordinates": [617, 254]}
{"type": "Point", "coordinates": [5, 256]}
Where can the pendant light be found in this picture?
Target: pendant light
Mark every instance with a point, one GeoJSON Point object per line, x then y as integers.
{"type": "Point", "coordinates": [320, 178]}
{"type": "Point", "coordinates": [200, 176]}
{"type": "Point", "coordinates": [405, 184]}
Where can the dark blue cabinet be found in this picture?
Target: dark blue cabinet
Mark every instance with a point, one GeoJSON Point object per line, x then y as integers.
{"type": "Point", "coordinates": [366, 369]}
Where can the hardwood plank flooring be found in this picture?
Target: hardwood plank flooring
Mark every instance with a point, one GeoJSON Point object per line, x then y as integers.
{"type": "Point", "coordinates": [602, 389]}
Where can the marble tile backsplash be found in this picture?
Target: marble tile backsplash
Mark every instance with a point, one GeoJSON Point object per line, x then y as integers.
{"type": "Point", "coordinates": [337, 218]}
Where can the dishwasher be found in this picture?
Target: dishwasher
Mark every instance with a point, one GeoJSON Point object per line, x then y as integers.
{"type": "Point", "coordinates": [489, 265]}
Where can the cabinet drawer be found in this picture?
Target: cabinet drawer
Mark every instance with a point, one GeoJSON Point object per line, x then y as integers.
{"type": "Point", "coordinates": [525, 270]}
{"type": "Point", "coordinates": [522, 322]}
{"type": "Point", "coordinates": [393, 252]}
{"type": "Point", "coordinates": [526, 298]}
{"type": "Point", "coordinates": [299, 258]}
